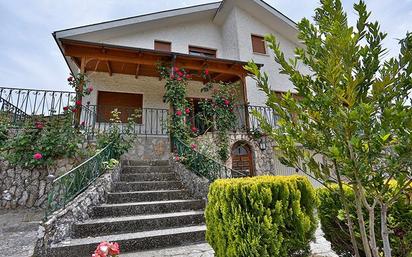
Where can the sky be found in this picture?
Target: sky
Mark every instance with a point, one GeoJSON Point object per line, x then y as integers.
{"type": "Point", "coordinates": [29, 57]}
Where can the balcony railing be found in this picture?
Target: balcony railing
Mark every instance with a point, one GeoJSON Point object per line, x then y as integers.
{"type": "Point", "coordinates": [147, 121]}
{"type": "Point", "coordinates": [247, 122]}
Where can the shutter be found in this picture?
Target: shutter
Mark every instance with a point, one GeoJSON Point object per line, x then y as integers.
{"type": "Point", "coordinates": [163, 46]}
{"type": "Point", "coordinates": [258, 44]}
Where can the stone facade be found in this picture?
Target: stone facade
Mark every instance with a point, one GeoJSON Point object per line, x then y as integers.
{"type": "Point", "coordinates": [148, 148]}
{"type": "Point", "coordinates": [58, 227]}
{"type": "Point", "coordinates": [198, 187]}
{"type": "Point", "coordinates": [27, 188]}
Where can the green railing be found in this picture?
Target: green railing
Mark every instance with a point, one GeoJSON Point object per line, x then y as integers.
{"type": "Point", "coordinates": [66, 187]}
{"type": "Point", "coordinates": [202, 165]}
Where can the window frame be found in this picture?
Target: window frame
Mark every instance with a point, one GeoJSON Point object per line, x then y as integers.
{"type": "Point", "coordinates": [162, 42]}
{"type": "Point", "coordinates": [252, 36]}
{"type": "Point", "coordinates": [210, 52]}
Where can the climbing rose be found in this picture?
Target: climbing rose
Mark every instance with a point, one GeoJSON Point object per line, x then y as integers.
{"type": "Point", "coordinates": [39, 125]}
{"type": "Point", "coordinates": [193, 146]}
{"type": "Point", "coordinates": [70, 79]}
{"type": "Point", "coordinates": [177, 158]}
{"type": "Point", "coordinates": [179, 113]}
{"type": "Point", "coordinates": [179, 78]}
{"type": "Point", "coordinates": [227, 102]}
{"type": "Point", "coordinates": [179, 73]}
{"type": "Point", "coordinates": [66, 108]}
{"type": "Point", "coordinates": [114, 249]}
{"type": "Point", "coordinates": [188, 76]}
{"type": "Point", "coordinates": [194, 129]}
{"type": "Point", "coordinates": [105, 249]}
{"type": "Point", "coordinates": [206, 72]}
{"type": "Point", "coordinates": [37, 156]}
{"type": "Point", "coordinates": [187, 110]}
{"type": "Point", "coordinates": [89, 89]}
{"type": "Point", "coordinates": [172, 76]}
{"type": "Point", "coordinates": [82, 124]}
{"type": "Point", "coordinates": [78, 102]}
{"type": "Point", "coordinates": [74, 110]}
{"type": "Point", "coordinates": [176, 69]}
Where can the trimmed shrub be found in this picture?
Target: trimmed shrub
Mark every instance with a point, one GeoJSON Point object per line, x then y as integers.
{"type": "Point", "coordinates": [261, 216]}
{"type": "Point", "coordinates": [332, 219]}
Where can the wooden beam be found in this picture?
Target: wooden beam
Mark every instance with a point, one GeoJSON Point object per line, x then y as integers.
{"type": "Point", "coordinates": [217, 77]}
{"type": "Point", "coordinates": [97, 65]}
{"type": "Point", "coordinates": [137, 71]}
{"type": "Point", "coordinates": [109, 68]}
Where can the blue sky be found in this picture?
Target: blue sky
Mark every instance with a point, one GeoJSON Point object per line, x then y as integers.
{"type": "Point", "coordinates": [30, 58]}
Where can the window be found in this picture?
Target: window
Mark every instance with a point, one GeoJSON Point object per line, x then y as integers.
{"type": "Point", "coordinates": [162, 46]}
{"type": "Point", "coordinates": [125, 103]}
{"type": "Point", "coordinates": [200, 51]}
{"type": "Point", "coordinates": [258, 44]}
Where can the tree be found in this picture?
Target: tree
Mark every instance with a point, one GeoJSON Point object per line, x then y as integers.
{"type": "Point", "coordinates": [353, 108]}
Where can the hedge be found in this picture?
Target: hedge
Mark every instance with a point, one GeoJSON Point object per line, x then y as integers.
{"type": "Point", "coordinates": [332, 219]}
{"type": "Point", "coordinates": [261, 216]}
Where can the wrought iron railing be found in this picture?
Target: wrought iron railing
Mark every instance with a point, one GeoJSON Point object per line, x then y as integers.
{"type": "Point", "coordinates": [13, 114]}
{"type": "Point", "coordinates": [147, 121]}
{"type": "Point", "coordinates": [201, 164]}
{"type": "Point", "coordinates": [38, 102]}
{"type": "Point", "coordinates": [66, 187]}
{"type": "Point", "coordinates": [246, 121]}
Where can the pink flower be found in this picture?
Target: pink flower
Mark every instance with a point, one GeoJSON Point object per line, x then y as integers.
{"type": "Point", "coordinates": [70, 79]}
{"type": "Point", "coordinates": [179, 78]}
{"type": "Point", "coordinates": [66, 108]}
{"type": "Point", "coordinates": [187, 110]}
{"type": "Point", "coordinates": [188, 76]}
{"type": "Point", "coordinates": [206, 72]}
{"type": "Point", "coordinates": [227, 102]}
{"type": "Point", "coordinates": [193, 146]}
{"type": "Point", "coordinates": [176, 69]}
{"type": "Point", "coordinates": [172, 76]}
{"type": "Point", "coordinates": [82, 124]}
{"type": "Point", "coordinates": [114, 249]}
{"type": "Point", "coordinates": [194, 129]}
{"type": "Point", "coordinates": [78, 102]}
{"type": "Point", "coordinates": [37, 156]}
{"type": "Point", "coordinates": [180, 74]}
{"type": "Point", "coordinates": [177, 158]}
{"type": "Point", "coordinates": [39, 125]}
{"type": "Point", "coordinates": [89, 89]}
{"type": "Point", "coordinates": [179, 113]}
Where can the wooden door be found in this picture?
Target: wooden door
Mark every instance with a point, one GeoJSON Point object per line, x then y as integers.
{"type": "Point", "coordinates": [242, 159]}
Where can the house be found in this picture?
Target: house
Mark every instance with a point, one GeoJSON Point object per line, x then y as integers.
{"type": "Point", "coordinates": [121, 56]}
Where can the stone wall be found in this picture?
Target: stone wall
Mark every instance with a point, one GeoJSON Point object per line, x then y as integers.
{"type": "Point", "coordinates": [27, 188]}
{"type": "Point", "coordinates": [197, 186]}
{"type": "Point", "coordinates": [149, 148]}
{"type": "Point", "coordinates": [58, 227]}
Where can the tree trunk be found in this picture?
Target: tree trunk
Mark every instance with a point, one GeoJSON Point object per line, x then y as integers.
{"type": "Point", "coordinates": [372, 236]}
{"type": "Point", "coordinates": [385, 231]}
{"type": "Point", "coordinates": [361, 221]}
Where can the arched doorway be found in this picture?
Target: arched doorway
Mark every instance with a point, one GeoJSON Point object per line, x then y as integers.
{"type": "Point", "coordinates": [242, 159]}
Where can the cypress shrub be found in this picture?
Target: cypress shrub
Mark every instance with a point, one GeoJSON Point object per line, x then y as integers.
{"type": "Point", "coordinates": [333, 222]}
{"type": "Point", "coordinates": [261, 216]}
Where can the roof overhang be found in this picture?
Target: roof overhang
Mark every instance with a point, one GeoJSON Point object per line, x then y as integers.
{"type": "Point", "coordinates": [90, 56]}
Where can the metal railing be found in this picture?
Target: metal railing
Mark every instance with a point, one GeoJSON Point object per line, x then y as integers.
{"type": "Point", "coordinates": [202, 165]}
{"type": "Point", "coordinates": [13, 114]}
{"type": "Point", "coordinates": [95, 119]}
{"type": "Point", "coordinates": [246, 121]}
{"type": "Point", "coordinates": [35, 102]}
{"type": "Point", "coordinates": [66, 187]}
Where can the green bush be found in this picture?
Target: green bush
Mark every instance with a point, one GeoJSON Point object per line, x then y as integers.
{"type": "Point", "coordinates": [332, 218]}
{"type": "Point", "coordinates": [261, 216]}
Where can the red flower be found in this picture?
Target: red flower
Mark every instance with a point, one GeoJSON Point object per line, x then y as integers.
{"type": "Point", "coordinates": [187, 110]}
{"type": "Point", "coordinates": [227, 102]}
{"type": "Point", "coordinates": [37, 156]}
{"type": "Point", "coordinates": [180, 74]}
{"type": "Point", "coordinates": [172, 76]}
{"type": "Point", "coordinates": [193, 146]}
{"type": "Point", "coordinates": [176, 69]}
{"type": "Point", "coordinates": [70, 79]}
{"type": "Point", "coordinates": [78, 102]}
{"type": "Point", "coordinates": [66, 108]}
{"type": "Point", "coordinates": [179, 113]}
{"type": "Point", "coordinates": [177, 158]}
{"type": "Point", "coordinates": [179, 78]}
{"type": "Point", "coordinates": [74, 110]}
{"type": "Point", "coordinates": [82, 124]}
{"type": "Point", "coordinates": [89, 89]}
{"type": "Point", "coordinates": [39, 125]}
{"type": "Point", "coordinates": [206, 72]}
{"type": "Point", "coordinates": [114, 249]}
{"type": "Point", "coordinates": [188, 76]}
{"type": "Point", "coordinates": [194, 129]}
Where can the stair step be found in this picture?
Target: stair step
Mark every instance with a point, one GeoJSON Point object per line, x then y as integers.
{"type": "Point", "coordinates": [128, 224]}
{"type": "Point", "coordinates": [128, 209]}
{"type": "Point", "coordinates": [146, 196]}
{"type": "Point", "coordinates": [145, 163]}
{"type": "Point", "coordinates": [145, 169]}
{"type": "Point", "coordinates": [169, 176]}
{"type": "Point", "coordinates": [146, 186]}
{"type": "Point", "coordinates": [132, 241]}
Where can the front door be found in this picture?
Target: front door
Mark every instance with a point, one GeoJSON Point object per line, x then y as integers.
{"type": "Point", "coordinates": [242, 160]}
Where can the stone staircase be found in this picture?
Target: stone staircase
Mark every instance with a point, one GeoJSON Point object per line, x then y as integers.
{"type": "Point", "coordinates": [148, 208]}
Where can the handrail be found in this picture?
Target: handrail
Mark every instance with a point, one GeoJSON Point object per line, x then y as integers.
{"type": "Point", "coordinates": [69, 185]}
{"type": "Point", "coordinates": [203, 165]}
{"type": "Point", "coordinates": [17, 114]}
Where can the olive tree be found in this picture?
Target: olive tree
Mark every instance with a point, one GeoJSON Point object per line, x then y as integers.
{"type": "Point", "coordinates": [352, 107]}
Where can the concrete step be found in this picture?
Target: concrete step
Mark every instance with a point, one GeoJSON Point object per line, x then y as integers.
{"type": "Point", "coordinates": [169, 176]}
{"type": "Point", "coordinates": [138, 241]}
{"type": "Point", "coordinates": [145, 169]}
{"type": "Point", "coordinates": [146, 186]}
{"type": "Point", "coordinates": [145, 163]}
{"type": "Point", "coordinates": [129, 209]}
{"type": "Point", "coordinates": [128, 224]}
{"type": "Point", "coordinates": [146, 196]}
